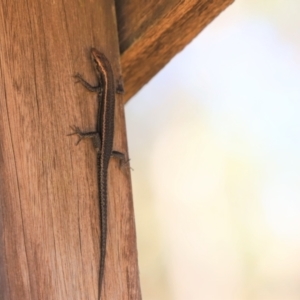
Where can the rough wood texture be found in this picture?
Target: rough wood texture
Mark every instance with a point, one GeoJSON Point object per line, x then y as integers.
{"type": "Point", "coordinates": [152, 32]}
{"type": "Point", "coordinates": [49, 213]}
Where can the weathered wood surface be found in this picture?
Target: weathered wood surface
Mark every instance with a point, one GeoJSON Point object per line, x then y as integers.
{"type": "Point", "coordinates": [151, 32]}
{"type": "Point", "coordinates": [49, 212]}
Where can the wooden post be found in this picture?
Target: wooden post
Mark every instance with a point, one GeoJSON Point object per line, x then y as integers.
{"type": "Point", "coordinates": [49, 210]}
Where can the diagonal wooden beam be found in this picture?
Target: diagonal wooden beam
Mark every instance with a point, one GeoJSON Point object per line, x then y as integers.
{"type": "Point", "coordinates": [152, 32]}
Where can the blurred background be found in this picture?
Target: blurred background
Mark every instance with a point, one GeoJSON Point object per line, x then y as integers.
{"type": "Point", "coordinates": [214, 141]}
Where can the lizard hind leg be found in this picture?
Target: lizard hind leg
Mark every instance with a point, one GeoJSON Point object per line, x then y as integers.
{"type": "Point", "coordinates": [123, 162]}
{"type": "Point", "coordinates": [86, 135]}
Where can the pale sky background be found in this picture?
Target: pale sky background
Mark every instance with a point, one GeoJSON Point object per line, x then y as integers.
{"type": "Point", "coordinates": [214, 141]}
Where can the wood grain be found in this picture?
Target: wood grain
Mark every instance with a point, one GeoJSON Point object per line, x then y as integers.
{"type": "Point", "coordinates": [152, 32]}
{"type": "Point", "coordinates": [49, 212]}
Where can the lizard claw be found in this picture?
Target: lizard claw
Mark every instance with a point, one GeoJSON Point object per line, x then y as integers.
{"type": "Point", "coordinates": [125, 164]}
{"type": "Point", "coordinates": [78, 77]}
{"type": "Point", "coordinates": [77, 131]}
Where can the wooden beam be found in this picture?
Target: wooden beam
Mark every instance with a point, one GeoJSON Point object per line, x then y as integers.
{"type": "Point", "coordinates": [152, 32]}
{"type": "Point", "coordinates": [49, 206]}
